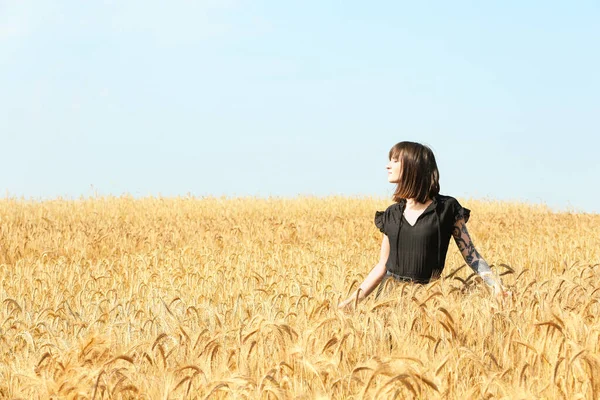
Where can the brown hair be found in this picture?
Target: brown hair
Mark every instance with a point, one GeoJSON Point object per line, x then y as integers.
{"type": "Point", "coordinates": [419, 175]}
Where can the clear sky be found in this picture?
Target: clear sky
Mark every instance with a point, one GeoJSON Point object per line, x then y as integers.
{"type": "Point", "coordinates": [281, 98]}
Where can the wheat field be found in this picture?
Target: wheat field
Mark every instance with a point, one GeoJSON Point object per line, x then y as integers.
{"type": "Point", "coordinates": [199, 298]}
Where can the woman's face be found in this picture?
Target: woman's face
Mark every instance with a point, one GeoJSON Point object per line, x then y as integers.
{"type": "Point", "coordinates": [393, 170]}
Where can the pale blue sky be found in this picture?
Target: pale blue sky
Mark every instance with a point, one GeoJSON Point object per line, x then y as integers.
{"type": "Point", "coordinates": [236, 98]}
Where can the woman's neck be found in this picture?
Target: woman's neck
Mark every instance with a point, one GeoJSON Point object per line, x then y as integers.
{"type": "Point", "coordinates": [414, 204]}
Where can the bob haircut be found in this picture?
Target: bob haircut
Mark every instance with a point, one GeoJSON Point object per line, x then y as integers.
{"type": "Point", "coordinates": [419, 175]}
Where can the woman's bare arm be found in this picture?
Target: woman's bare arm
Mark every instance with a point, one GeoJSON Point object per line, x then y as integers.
{"type": "Point", "coordinates": [373, 278]}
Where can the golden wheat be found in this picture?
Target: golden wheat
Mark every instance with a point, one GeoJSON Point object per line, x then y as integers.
{"type": "Point", "coordinates": [117, 298]}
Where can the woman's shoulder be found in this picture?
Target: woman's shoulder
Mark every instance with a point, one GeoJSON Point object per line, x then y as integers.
{"type": "Point", "coordinates": [445, 200]}
{"type": "Point", "coordinates": [448, 205]}
{"type": "Point", "coordinates": [394, 207]}
{"type": "Point", "coordinates": [391, 214]}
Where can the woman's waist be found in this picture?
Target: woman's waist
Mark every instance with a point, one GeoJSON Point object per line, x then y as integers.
{"type": "Point", "coordinates": [409, 277]}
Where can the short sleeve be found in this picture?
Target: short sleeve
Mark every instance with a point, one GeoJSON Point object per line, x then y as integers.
{"type": "Point", "coordinates": [379, 220]}
{"type": "Point", "coordinates": [459, 212]}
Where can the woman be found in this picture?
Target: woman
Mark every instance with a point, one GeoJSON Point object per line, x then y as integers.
{"type": "Point", "coordinates": [418, 227]}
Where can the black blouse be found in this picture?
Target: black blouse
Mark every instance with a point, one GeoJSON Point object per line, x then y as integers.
{"type": "Point", "coordinates": [418, 252]}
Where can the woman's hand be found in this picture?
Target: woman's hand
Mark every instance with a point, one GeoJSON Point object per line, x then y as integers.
{"type": "Point", "coordinates": [501, 293]}
{"type": "Point", "coordinates": [346, 305]}
{"type": "Point", "coordinates": [353, 299]}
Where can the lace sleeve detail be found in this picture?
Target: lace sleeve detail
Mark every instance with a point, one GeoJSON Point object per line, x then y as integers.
{"type": "Point", "coordinates": [459, 212]}
{"type": "Point", "coordinates": [462, 213]}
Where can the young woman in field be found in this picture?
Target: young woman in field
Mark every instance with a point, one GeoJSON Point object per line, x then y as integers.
{"type": "Point", "coordinates": [417, 228]}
